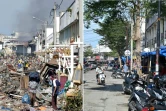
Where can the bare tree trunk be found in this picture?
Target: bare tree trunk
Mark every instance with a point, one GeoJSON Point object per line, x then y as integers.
{"type": "Point", "coordinates": [137, 37]}
{"type": "Point", "coordinates": [138, 45]}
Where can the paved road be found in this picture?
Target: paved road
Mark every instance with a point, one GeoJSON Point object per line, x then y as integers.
{"type": "Point", "coordinates": [104, 98]}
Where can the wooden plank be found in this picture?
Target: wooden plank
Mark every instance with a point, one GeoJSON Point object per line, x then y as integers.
{"type": "Point", "coordinates": [26, 81]}
{"type": "Point", "coordinates": [22, 85]}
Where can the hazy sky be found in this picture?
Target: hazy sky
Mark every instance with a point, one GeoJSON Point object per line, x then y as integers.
{"type": "Point", "coordinates": [8, 11]}
{"type": "Point", "coordinates": [16, 15]}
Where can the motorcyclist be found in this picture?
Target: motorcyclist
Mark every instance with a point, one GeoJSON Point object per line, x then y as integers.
{"type": "Point", "coordinates": [99, 70]}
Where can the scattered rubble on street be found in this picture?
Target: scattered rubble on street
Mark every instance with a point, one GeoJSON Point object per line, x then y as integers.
{"type": "Point", "coordinates": [14, 86]}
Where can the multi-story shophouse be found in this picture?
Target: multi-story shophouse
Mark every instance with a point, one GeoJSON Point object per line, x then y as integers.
{"type": "Point", "coordinates": [151, 32]}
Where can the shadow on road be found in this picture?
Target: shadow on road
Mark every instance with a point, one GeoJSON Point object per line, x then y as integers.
{"type": "Point", "coordinates": [112, 88]}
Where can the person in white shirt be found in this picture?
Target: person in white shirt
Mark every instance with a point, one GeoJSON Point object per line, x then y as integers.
{"type": "Point", "coordinates": [99, 70]}
{"type": "Point", "coordinates": [55, 90]}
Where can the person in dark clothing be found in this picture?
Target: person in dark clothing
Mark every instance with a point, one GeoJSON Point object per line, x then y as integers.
{"type": "Point", "coordinates": [34, 80]}
{"type": "Point", "coordinates": [55, 91]}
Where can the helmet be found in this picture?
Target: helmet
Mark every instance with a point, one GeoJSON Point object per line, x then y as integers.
{"type": "Point", "coordinates": [135, 76]}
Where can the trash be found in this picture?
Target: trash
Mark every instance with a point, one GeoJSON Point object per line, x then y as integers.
{"type": "Point", "coordinates": [26, 99]}
{"type": "Point", "coordinates": [14, 87]}
{"type": "Point", "coordinates": [4, 108]}
{"type": "Point", "coordinates": [36, 104]}
{"type": "Point", "coordinates": [45, 96]}
{"type": "Point", "coordinates": [61, 92]}
{"type": "Point", "coordinates": [42, 108]}
{"type": "Point", "coordinates": [48, 90]}
{"type": "Point", "coordinates": [66, 86]}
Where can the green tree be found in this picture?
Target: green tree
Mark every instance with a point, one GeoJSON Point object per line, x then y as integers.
{"type": "Point", "coordinates": [88, 52]}
{"type": "Point", "coordinates": [113, 33]}
{"type": "Point", "coordinates": [125, 10]}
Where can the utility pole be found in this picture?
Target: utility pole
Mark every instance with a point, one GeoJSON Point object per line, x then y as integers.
{"type": "Point", "coordinates": [158, 40]}
{"type": "Point", "coordinates": [131, 61]}
{"type": "Point", "coordinates": [127, 38]}
{"type": "Point", "coordinates": [81, 26]}
{"type": "Point", "coordinates": [55, 25]}
{"type": "Point", "coordinates": [81, 35]}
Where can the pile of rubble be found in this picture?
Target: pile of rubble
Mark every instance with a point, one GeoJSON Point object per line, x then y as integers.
{"type": "Point", "coordinates": [10, 93]}
{"type": "Point", "coordinates": [15, 85]}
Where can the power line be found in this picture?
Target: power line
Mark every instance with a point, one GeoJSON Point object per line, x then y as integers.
{"type": "Point", "coordinates": [60, 4]}
{"type": "Point", "coordinates": [52, 10]}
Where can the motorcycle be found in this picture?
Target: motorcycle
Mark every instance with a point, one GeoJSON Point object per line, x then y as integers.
{"type": "Point", "coordinates": [128, 80]}
{"type": "Point", "coordinates": [133, 85]}
{"type": "Point", "coordinates": [101, 78]}
{"type": "Point", "coordinates": [149, 99]}
{"type": "Point", "coordinates": [118, 74]}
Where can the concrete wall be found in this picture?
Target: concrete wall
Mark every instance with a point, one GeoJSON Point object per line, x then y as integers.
{"type": "Point", "coordinates": [22, 50]}
{"type": "Point", "coordinates": [70, 32]}
{"type": "Point", "coordinates": [69, 17]}
{"type": "Point", "coordinates": [69, 24]}
{"type": "Point", "coordinates": [151, 32]}
{"type": "Point", "coordinates": [49, 35]}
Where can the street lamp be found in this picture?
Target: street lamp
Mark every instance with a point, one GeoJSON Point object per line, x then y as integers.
{"type": "Point", "coordinates": [45, 24]}
{"type": "Point", "coordinates": [38, 19]}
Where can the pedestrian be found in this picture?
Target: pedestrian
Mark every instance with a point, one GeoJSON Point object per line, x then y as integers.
{"type": "Point", "coordinates": [125, 69]}
{"type": "Point", "coordinates": [55, 91]}
{"type": "Point", "coordinates": [34, 80]}
{"type": "Point", "coordinates": [26, 66]}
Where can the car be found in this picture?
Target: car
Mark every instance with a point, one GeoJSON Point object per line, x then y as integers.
{"type": "Point", "coordinates": [92, 64]}
{"type": "Point", "coordinates": [110, 67]}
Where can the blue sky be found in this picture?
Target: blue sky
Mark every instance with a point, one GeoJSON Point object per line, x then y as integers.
{"type": "Point", "coordinates": [90, 37]}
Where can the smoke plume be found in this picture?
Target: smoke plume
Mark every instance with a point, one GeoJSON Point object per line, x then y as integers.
{"type": "Point", "coordinates": [27, 26]}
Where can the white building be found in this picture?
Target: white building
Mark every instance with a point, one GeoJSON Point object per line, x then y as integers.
{"type": "Point", "coordinates": [101, 49]}
{"type": "Point", "coordinates": [69, 24]}
{"type": "Point", "coordinates": [12, 42]}
{"type": "Point", "coordinates": [151, 32]}
{"type": "Point", "coordinates": [45, 37]}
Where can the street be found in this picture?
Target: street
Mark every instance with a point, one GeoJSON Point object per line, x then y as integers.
{"type": "Point", "coordinates": [104, 98]}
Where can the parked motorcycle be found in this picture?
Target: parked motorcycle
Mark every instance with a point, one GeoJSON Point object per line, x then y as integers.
{"type": "Point", "coordinates": [146, 100]}
{"type": "Point", "coordinates": [132, 82]}
{"type": "Point", "coordinates": [150, 99]}
{"type": "Point", "coordinates": [118, 74]}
